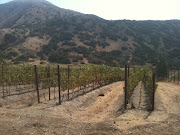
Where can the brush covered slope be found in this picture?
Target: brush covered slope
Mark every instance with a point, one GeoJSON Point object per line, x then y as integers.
{"type": "Point", "coordinates": [40, 31]}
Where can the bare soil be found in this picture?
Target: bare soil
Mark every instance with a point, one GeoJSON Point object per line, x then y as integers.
{"type": "Point", "coordinates": [95, 114]}
{"type": "Point", "coordinates": [140, 98]}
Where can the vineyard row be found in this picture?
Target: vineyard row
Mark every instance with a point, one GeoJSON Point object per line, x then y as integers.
{"type": "Point", "coordinates": [24, 78]}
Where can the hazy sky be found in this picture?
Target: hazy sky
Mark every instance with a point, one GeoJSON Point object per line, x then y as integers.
{"type": "Point", "coordinates": [124, 9]}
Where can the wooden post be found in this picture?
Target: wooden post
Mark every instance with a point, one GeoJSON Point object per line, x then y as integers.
{"type": "Point", "coordinates": [59, 84]}
{"type": "Point", "coordinates": [49, 82]}
{"type": "Point", "coordinates": [154, 85]}
{"type": "Point", "coordinates": [174, 76]}
{"type": "Point", "coordinates": [168, 76]}
{"type": "Point", "coordinates": [2, 73]}
{"type": "Point", "coordinates": [178, 76]}
{"type": "Point", "coordinates": [101, 78]}
{"type": "Point", "coordinates": [37, 86]}
{"type": "Point", "coordinates": [128, 71]}
{"type": "Point", "coordinates": [80, 79]}
{"type": "Point", "coordinates": [125, 88]}
{"type": "Point", "coordinates": [68, 82]}
{"type": "Point", "coordinates": [93, 81]}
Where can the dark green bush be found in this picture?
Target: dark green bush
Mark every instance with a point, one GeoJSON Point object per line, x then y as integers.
{"type": "Point", "coordinates": [59, 57]}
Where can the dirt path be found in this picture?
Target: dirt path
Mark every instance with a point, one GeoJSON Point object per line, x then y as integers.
{"type": "Point", "coordinates": [92, 114]}
{"type": "Point", "coordinates": [140, 98]}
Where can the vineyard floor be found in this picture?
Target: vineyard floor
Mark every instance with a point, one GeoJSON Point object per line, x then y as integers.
{"type": "Point", "coordinates": [96, 113]}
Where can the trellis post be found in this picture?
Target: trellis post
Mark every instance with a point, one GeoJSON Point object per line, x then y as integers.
{"type": "Point", "coordinates": [37, 84]}
{"type": "Point", "coordinates": [2, 73]}
{"type": "Point", "coordinates": [68, 81]}
{"type": "Point", "coordinates": [59, 84]}
{"type": "Point", "coordinates": [125, 88]}
{"type": "Point", "coordinates": [154, 85]}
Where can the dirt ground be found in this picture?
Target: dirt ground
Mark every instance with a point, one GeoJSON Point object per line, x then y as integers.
{"type": "Point", "coordinates": [92, 114]}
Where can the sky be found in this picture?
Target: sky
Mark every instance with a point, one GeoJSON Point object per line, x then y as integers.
{"type": "Point", "coordinates": [123, 9]}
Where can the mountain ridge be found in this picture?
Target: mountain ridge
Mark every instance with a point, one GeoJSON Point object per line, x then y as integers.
{"type": "Point", "coordinates": [48, 33]}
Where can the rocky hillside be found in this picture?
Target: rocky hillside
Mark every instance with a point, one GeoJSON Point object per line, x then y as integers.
{"type": "Point", "coordinates": [36, 30]}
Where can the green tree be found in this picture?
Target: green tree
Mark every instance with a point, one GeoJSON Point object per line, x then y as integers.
{"type": "Point", "coordinates": [9, 38]}
{"type": "Point", "coordinates": [1, 58]}
{"type": "Point", "coordinates": [59, 57]}
{"type": "Point", "coordinates": [162, 64]}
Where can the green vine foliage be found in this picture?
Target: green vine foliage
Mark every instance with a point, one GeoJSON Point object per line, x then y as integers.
{"type": "Point", "coordinates": [148, 80]}
{"type": "Point", "coordinates": [24, 74]}
{"type": "Point", "coordinates": [143, 74]}
{"type": "Point", "coordinates": [135, 77]}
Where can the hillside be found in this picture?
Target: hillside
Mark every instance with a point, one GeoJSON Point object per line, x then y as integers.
{"type": "Point", "coordinates": [39, 31]}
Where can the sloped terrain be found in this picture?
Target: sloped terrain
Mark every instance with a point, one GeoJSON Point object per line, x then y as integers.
{"type": "Point", "coordinates": [96, 114]}
{"type": "Point", "coordinates": [81, 38]}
